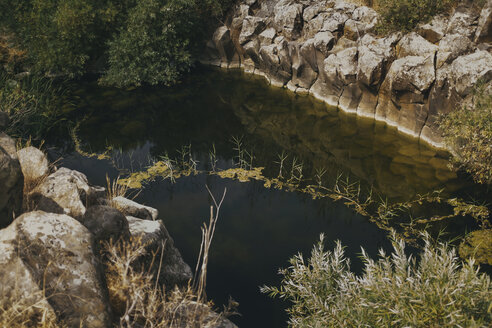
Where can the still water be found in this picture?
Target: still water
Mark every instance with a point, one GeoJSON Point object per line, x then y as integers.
{"type": "Point", "coordinates": [259, 228]}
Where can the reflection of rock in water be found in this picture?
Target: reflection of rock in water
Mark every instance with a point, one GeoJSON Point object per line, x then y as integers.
{"type": "Point", "coordinates": [396, 165]}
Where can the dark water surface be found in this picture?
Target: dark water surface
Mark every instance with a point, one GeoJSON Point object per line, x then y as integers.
{"type": "Point", "coordinates": [259, 229]}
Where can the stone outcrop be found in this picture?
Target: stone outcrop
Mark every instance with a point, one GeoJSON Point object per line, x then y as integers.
{"type": "Point", "coordinates": [53, 255]}
{"type": "Point", "coordinates": [65, 192]}
{"type": "Point", "coordinates": [327, 49]}
{"type": "Point", "coordinates": [11, 181]}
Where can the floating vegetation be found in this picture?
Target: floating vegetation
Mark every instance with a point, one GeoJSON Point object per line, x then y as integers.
{"type": "Point", "coordinates": [403, 218]}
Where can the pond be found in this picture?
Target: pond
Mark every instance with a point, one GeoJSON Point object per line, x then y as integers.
{"type": "Point", "coordinates": [216, 120]}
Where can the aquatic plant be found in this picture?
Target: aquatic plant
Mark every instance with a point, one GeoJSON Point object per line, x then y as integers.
{"type": "Point", "coordinates": [435, 290]}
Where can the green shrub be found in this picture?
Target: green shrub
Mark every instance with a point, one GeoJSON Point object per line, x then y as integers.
{"type": "Point", "coordinates": [404, 15]}
{"type": "Point", "coordinates": [395, 291]}
{"type": "Point", "coordinates": [469, 133]}
{"type": "Point", "coordinates": [158, 41]}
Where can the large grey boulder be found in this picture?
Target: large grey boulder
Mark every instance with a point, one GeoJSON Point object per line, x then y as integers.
{"type": "Point", "coordinates": [11, 181]}
{"type": "Point", "coordinates": [435, 30]}
{"type": "Point", "coordinates": [156, 238]}
{"type": "Point", "coordinates": [288, 18]}
{"type": "Point", "coordinates": [339, 70]}
{"type": "Point", "coordinates": [406, 84]}
{"type": "Point", "coordinates": [251, 27]}
{"type": "Point", "coordinates": [463, 21]}
{"type": "Point", "coordinates": [484, 29]}
{"type": "Point", "coordinates": [413, 44]}
{"type": "Point", "coordinates": [374, 54]}
{"type": "Point", "coordinates": [65, 192]}
{"type": "Point", "coordinates": [34, 163]}
{"type": "Point", "coordinates": [223, 43]}
{"type": "Point", "coordinates": [451, 47]}
{"type": "Point", "coordinates": [53, 255]}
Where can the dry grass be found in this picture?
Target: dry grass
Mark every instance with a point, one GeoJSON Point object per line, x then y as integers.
{"type": "Point", "coordinates": [138, 299]}
{"type": "Point", "coordinates": [116, 188]}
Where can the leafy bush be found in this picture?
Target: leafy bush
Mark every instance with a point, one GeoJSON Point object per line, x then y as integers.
{"type": "Point", "coordinates": [404, 15]}
{"type": "Point", "coordinates": [148, 41]}
{"type": "Point", "coordinates": [469, 133]}
{"type": "Point", "coordinates": [395, 291]}
{"type": "Point", "coordinates": [158, 41]}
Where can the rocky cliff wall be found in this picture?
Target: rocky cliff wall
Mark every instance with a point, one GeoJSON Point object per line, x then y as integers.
{"type": "Point", "coordinates": [327, 48]}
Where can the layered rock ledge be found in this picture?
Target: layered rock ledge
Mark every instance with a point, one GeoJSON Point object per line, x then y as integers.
{"type": "Point", "coordinates": [327, 48]}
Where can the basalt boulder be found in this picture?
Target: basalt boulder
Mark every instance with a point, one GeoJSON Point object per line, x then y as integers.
{"type": "Point", "coordinates": [53, 255]}
{"type": "Point", "coordinates": [65, 192]}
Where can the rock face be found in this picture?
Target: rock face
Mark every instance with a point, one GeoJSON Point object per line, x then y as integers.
{"type": "Point", "coordinates": [65, 192]}
{"type": "Point", "coordinates": [327, 49]}
{"type": "Point", "coordinates": [53, 255]}
{"type": "Point", "coordinates": [11, 181]}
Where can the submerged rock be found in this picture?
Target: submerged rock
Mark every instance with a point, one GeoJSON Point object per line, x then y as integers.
{"type": "Point", "coordinates": [11, 181]}
{"type": "Point", "coordinates": [54, 253]}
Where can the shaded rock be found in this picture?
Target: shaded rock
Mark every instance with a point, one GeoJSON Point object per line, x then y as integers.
{"type": "Point", "coordinates": [223, 43]}
{"type": "Point", "coordinates": [131, 208]}
{"type": "Point", "coordinates": [33, 162]}
{"type": "Point", "coordinates": [463, 21]}
{"type": "Point", "coordinates": [65, 192]}
{"type": "Point", "coordinates": [451, 47]}
{"type": "Point", "coordinates": [484, 28]}
{"type": "Point", "coordinates": [55, 255]}
{"type": "Point", "coordinates": [251, 26]}
{"type": "Point", "coordinates": [252, 51]}
{"type": "Point", "coordinates": [435, 30]}
{"type": "Point", "coordinates": [303, 73]}
{"type": "Point", "coordinates": [315, 25]}
{"type": "Point", "coordinates": [4, 120]}
{"type": "Point", "coordinates": [413, 44]}
{"type": "Point", "coordinates": [105, 223]}
{"type": "Point", "coordinates": [354, 30]}
{"type": "Point", "coordinates": [11, 181]}
{"type": "Point", "coordinates": [154, 235]}
{"type": "Point", "coordinates": [288, 18]}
